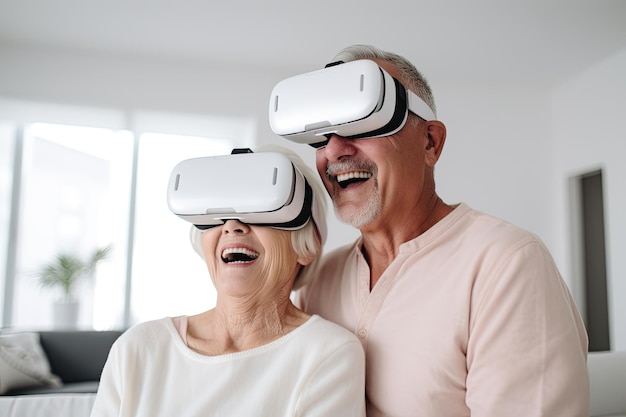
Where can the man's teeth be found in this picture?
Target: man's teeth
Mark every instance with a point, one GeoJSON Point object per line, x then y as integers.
{"type": "Point", "coordinates": [354, 176]}
{"type": "Point", "coordinates": [239, 255]}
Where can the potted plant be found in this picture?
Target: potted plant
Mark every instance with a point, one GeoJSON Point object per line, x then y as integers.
{"type": "Point", "coordinates": [64, 272]}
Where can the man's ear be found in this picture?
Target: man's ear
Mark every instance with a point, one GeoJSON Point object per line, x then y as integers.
{"type": "Point", "coordinates": [436, 134]}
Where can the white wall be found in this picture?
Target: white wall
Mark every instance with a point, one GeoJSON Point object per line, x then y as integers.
{"type": "Point", "coordinates": [589, 133]}
{"type": "Point", "coordinates": [497, 153]}
{"type": "Point", "coordinates": [132, 83]}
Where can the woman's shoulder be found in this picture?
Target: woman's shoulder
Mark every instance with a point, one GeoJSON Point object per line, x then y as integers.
{"type": "Point", "coordinates": [323, 339]}
{"type": "Point", "coordinates": [148, 330]}
{"type": "Point", "coordinates": [331, 332]}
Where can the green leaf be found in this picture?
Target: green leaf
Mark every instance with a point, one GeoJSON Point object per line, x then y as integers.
{"type": "Point", "coordinates": [65, 270]}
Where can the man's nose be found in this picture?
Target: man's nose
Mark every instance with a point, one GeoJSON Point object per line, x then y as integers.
{"type": "Point", "coordinates": [338, 147]}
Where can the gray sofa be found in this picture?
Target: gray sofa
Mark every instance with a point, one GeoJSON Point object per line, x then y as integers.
{"type": "Point", "coordinates": [76, 357]}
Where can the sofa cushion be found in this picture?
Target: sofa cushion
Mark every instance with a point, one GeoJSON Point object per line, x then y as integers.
{"type": "Point", "coordinates": [55, 405]}
{"type": "Point", "coordinates": [77, 355]}
{"type": "Point", "coordinates": [23, 363]}
{"type": "Point", "coordinates": [72, 388]}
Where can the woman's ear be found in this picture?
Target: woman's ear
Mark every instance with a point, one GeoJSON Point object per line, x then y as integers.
{"type": "Point", "coordinates": [436, 135]}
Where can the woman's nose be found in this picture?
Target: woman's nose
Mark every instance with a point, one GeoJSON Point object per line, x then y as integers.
{"type": "Point", "coordinates": [235, 226]}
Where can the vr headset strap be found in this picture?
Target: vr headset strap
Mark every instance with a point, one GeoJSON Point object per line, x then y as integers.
{"type": "Point", "coordinates": [419, 107]}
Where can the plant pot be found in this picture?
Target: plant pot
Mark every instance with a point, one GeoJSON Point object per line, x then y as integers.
{"type": "Point", "coordinates": [65, 314]}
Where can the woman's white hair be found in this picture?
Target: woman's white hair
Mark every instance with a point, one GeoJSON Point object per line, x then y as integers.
{"type": "Point", "coordinates": [307, 241]}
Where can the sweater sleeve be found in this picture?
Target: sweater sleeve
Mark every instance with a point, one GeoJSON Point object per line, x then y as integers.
{"type": "Point", "coordinates": [527, 347]}
{"type": "Point", "coordinates": [337, 387]}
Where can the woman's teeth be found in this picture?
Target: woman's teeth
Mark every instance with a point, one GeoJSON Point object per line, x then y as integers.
{"type": "Point", "coordinates": [239, 255]}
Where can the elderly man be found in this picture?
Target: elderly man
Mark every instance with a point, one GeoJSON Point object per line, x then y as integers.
{"type": "Point", "coordinates": [460, 313]}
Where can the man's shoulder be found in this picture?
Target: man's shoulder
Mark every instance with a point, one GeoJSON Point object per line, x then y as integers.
{"type": "Point", "coordinates": [490, 226]}
{"type": "Point", "coordinates": [336, 260]}
{"type": "Point", "coordinates": [324, 290]}
{"type": "Point", "coordinates": [340, 252]}
{"type": "Point", "coordinates": [486, 236]}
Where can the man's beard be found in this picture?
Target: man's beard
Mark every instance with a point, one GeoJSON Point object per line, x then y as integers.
{"type": "Point", "coordinates": [372, 207]}
{"type": "Point", "coordinates": [363, 215]}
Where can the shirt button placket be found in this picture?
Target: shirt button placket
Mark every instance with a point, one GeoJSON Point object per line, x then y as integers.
{"type": "Point", "coordinates": [362, 333]}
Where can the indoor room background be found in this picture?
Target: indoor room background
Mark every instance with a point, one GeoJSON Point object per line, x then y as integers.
{"type": "Point", "coordinates": [88, 135]}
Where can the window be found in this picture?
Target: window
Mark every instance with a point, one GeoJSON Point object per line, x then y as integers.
{"type": "Point", "coordinates": [7, 150]}
{"type": "Point", "coordinates": [73, 189]}
{"type": "Point", "coordinates": [165, 267]}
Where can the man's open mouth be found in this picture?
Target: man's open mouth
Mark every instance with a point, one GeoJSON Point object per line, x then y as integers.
{"type": "Point", "coordinates": [239, 255]}
{"type": "Point", "coordinates": [348, 178]}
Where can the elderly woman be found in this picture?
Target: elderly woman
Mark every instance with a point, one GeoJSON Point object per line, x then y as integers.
{"type": "Point", "coordinates": [255, 353]}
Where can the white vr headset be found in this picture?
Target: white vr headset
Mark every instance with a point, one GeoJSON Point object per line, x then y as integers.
{"type": "Point", "coordinates": [256, 188]}
{"type": "Point", "coordinates": [355, 100]}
